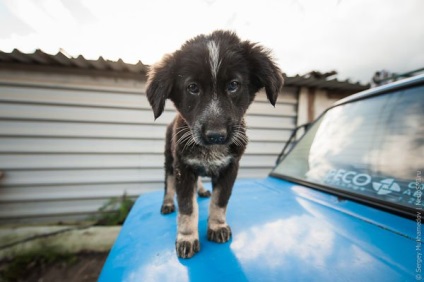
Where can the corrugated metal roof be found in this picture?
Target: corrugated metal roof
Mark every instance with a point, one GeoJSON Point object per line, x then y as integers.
{"type": "Point", "coordinates": [324, 83]}
{"type": "Point", "coordinates": [61, 59]}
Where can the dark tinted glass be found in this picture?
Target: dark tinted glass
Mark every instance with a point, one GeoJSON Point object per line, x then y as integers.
{"type": "Point", "coordinates": [373, 147]}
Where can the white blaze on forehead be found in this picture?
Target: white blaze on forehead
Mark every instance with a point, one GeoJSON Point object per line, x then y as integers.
{"type": "Point", "coordinates": [213, 108]}
{"type": "Point", "coordinates": [214, 60]}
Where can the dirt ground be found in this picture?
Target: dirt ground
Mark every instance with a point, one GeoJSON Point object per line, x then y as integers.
{"type": "Point", "coordinates": [83, 267]}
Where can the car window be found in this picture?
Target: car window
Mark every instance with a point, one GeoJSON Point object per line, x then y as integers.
{"type": "Point", "coordinates": [373, 147]}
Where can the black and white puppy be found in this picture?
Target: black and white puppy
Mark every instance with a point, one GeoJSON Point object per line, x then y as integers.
{"type": "Point", "coordinates": [211, 80]}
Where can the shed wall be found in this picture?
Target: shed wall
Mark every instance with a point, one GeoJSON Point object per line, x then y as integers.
{"type": "Point", "coordinates": [68, 143]}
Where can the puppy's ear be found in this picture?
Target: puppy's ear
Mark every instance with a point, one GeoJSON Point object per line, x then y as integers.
{"type": "Point", "coordinates": [159, 84]}
{"type": "Point", "coordinates": [263, 71]}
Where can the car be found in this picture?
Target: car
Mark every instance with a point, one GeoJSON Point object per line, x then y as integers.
{"type": "Point", "coordinates": [344, 204]}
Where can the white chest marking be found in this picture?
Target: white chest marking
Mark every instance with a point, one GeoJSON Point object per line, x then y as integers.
{"type": "Point", "coordinates": [211, 162]}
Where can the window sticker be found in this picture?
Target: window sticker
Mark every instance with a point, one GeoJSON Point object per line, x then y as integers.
{"type": "Point", "coordinates": [391, 189]}
{"type": "Point", "coordinates": [386, 186]}
{"type": "Point", "coordinates": [347, 179]}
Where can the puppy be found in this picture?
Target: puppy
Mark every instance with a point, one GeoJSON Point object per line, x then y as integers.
{"type": "Point", "coordinates": [212, 80]}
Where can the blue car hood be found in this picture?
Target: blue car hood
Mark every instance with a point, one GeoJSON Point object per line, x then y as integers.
{"type": "Point", "coordinates": [282, 231]}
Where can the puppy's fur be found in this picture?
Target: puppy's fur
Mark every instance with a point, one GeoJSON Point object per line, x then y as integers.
{"type": "Point", "coordinates": [211, 80]}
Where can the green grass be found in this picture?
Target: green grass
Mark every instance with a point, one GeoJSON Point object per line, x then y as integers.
{"type": "Point", "coordinates": [115, 211]}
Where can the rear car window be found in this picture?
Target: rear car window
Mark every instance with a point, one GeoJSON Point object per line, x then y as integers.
{"type": "Point", "coordinates": [372, 147]}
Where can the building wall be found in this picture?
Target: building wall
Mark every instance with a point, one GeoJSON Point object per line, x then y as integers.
{"type": "Point", "coordinates": [313, 102]}
{"type": "Point", "coordinates": [69, 142]}
{"type": "Point", "coordinates": [322, 102]}
{"type": "Point", "coordinates": [303, 109]}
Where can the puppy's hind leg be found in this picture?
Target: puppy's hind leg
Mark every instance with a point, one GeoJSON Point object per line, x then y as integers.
{"type": "Point", "coordinates": [168, 199]}
{"type": "Point", "coordinates": [168, 205]}
{"type": "Point", "coordinates": [201, 191]}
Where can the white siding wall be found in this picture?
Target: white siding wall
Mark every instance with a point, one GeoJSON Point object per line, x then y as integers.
{"type": "Point", "coordinates": [69, 143]}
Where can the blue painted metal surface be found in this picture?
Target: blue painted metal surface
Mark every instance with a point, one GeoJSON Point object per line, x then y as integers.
{"type": "Point", "coordinates": [281, 232]}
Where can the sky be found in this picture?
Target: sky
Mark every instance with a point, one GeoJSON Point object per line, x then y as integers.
{"type": "Point", "coordinates": [353, 37]}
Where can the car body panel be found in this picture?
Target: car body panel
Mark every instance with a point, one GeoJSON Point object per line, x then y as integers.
{"type": "Point", "coordinates": [281, 231]}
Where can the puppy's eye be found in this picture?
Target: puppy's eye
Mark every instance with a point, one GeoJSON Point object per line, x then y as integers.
{"type": "Point", "coordinates": [233, 86]}
{"type": "Point", "coordinates": [193, 88]}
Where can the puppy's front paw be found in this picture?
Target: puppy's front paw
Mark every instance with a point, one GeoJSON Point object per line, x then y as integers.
{"type": "Point", "coordinates": [220, 235]}
{"type": "Point", "coordinates": [186, 248]}
{"type": "Point", "coordinates": [167, 208]}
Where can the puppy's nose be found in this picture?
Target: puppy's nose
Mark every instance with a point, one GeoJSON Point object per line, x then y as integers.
{"type": "Point", "coordinates": [216, 137]}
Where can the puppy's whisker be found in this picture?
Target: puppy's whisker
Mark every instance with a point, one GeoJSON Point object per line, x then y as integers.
{"type": "Point", "coordinates": [239, 137]}
{"type": "Point", "coordinates": [184, 138]}
{"type": "Point", "coordinates": [189, 142]}
{"type": "Point", "coordinates": [179, 130]}
{"type": "Point", "coordinates": [187, 138]}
